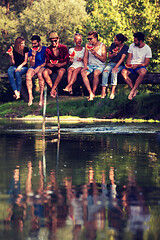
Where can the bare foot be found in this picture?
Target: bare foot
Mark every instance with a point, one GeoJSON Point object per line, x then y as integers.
{"type": "Point", "coordinates": [91, 97]}
{"type": "Point", "coordinates": [135, 93]}
{"type": "Point", "coordinates": [30, 102]}
{"type": "Point", "coordinates": [103, 95]}
{"type": "Point", "coordinates": [16, 94]}
{"type": "Point", "coordinates": [41, 100]}
{"type": "Point", "coordinates": [41, 103]}
{"type": "Point", "coordinates": [53, 93]}
{"type": "Point", "coordinates": [66, 89]}
{"type": "Point", "coordinates": [69, 90]}
{"type": "Point", "coordinates": [112, 96]}
{"type": "Point", "coordinates": [132, 94]}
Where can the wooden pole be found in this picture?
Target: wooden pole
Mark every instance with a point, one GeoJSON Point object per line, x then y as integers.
{"type": "Point", "coordinates": [44, 157]}
{"type": "Point", "coordinates": [44, 109]}
{"type": "Point", "coordinates": [58, 114]}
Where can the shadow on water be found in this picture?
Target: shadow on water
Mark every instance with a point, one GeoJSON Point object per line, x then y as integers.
{"type": "Point", "coordinates": [95, 182]}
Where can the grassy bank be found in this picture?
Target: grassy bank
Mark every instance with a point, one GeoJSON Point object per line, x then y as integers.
{"type": "Point", "coordinates": [144, 106]}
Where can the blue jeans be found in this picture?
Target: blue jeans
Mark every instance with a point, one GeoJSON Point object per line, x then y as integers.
{"type": "Point", "coordinates": [114, 75]}
{"type": "Point", "coordinates": [16, 84]}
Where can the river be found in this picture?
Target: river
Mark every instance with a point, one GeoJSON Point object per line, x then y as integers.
{"type": "Point", "coordinates": [97, 181]}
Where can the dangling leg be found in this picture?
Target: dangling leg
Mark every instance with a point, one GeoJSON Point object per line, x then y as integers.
{"type": "Point", "coordinates": [11, 74]}
{"type": "Point", "coordinates": [68, 88]}
{"type": "Point", "coordinates": [41, 85]}
{"type": "Point", "coordinates": [18, 76]}
{"type": "Point", "coordinates": [29, 75]}
{"type": "Point", "coordinates": [84, 74]}
{"type": "Point", "coordinates": [105, 76]}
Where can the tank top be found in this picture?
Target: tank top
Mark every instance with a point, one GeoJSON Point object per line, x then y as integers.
{"type": "Point", "coordinates": [94, 60]}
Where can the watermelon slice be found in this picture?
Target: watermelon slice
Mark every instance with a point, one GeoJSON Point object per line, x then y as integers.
{"type": "Point", "coordinates": [35, 49]}
{"type": "Point", "coordinates": [89, 47]}
{"type": "Point", "coordinates": [128, 65]}
{"type": "Point", "coordinates": [10, 50]}
{"type": "Point", "coordinates": [53, 61]}
{"type": "Point", "coordinates": [73, 54]}
{"type": "Point", "coordinates": [115, 50]}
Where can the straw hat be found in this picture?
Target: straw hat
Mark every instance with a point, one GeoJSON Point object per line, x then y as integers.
{"type": "Point", "coordinates": [53, 35]}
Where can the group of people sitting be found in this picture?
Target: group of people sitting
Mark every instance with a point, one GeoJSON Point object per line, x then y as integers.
{"type": "Point", "coordinates": [44, 61]}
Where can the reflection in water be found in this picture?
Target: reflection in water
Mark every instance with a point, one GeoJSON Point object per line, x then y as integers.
{"type": "Point", "coordinates": [87, 208]}
{"type": "Point", "coordinates": [86, 188]}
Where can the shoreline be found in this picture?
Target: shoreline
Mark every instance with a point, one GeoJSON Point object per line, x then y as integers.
{"type": "Point", "coordinates": [74, 119]}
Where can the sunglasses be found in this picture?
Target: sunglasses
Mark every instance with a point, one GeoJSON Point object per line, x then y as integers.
{"type": "Point", "coordinates": [89, 39]}
{"type": "Point", "coordinates": [52, 41]}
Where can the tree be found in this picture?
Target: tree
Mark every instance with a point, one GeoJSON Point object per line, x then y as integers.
{"type": "Point", "coordinates": [44, 16]}
{"type": "Point", "coordinates": [110, 17]}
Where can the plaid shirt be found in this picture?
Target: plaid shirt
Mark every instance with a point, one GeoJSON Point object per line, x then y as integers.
{"type": "Point", "coordinates": [63, 54]}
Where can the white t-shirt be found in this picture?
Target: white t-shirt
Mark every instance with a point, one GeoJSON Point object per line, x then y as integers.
{"type": "Point", "coordinates": [139, 54]}
{"type": "Point", "coordinates": [79, 54]}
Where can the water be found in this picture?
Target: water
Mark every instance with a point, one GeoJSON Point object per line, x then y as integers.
{"type": "Point", "coordinates": [98, 181]}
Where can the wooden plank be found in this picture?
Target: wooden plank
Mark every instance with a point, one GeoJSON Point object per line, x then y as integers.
{"type": "Point", "coordinates": [150, 78]}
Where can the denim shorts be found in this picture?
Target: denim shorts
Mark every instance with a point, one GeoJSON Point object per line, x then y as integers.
{"type": "Point", "coordinates": [92, 68]}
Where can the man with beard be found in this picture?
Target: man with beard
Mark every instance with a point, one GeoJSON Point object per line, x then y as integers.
{"type": "Point", "coordinates": [139, 55]}
{"type": "Point", "coordinates": [57, 57]}
{"type": "Point", "coordinates": [37, 61]}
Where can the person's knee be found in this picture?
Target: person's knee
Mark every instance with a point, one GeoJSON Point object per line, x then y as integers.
{"type": "Point", "coordinates": [10, 70]}
{"type": "Point", "coordinates": [61, 72]}
{"type": "Point", "coordinates": [142, 72]}
{"type": "Point", "coordinates": [70, 71]}
{"type": "Point", "coordinates": [45, 74]}
{"type": "Point", "coordinates": [96, 74]}
{"type": "Point", "coordinates": [40, 75]}
{"type": "Point", "coordinates": [124, 73]}
{"type": "Point", "coordinates": [17, 74]}
{"type": "Point", "coordinates": [113, 72]}
{"type": "Point", "coordinates": [83, 72]}
{"type": "Point", "coordinates": [28, 76]}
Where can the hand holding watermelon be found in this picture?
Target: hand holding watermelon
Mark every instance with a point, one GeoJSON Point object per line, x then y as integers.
{"type": "Point", "coordinates": [35, 49]}
{"type": "Point", "coordinates": [89, 47]}
{"type": "Point", "coordinates": [73, 54]}
{"type": "Point", "coordinates": [128, 66]}
{"type": "Point", "coordinates": [54, 61]}
{"type": "Point", "coordinates": [115, 50]}
{"type": "Point", "coordinates": [10, 50]}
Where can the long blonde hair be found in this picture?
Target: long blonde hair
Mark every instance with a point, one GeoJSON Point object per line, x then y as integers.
{"type": "Point", "coordinates": [17, 45]}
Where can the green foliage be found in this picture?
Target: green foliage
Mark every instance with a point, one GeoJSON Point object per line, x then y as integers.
{"type": "Point", "coordinates": [8, 28]}
{"type": "Point", "coordinates": [109, 17]}
{"type": "Point", "coordinates": [44, 16]}
{"type": "Point", "coordinates": [145, 106]}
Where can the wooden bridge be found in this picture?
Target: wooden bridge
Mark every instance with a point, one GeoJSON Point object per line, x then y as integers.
{"type": "Point", "coordinates": [150, 78]}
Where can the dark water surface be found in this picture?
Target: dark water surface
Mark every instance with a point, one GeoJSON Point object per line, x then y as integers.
{"type": "Point", "coordinates": [98, 181]}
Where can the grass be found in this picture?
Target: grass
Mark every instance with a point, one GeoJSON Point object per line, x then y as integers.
{"type": "Point", "coordinates": [145, 106]}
